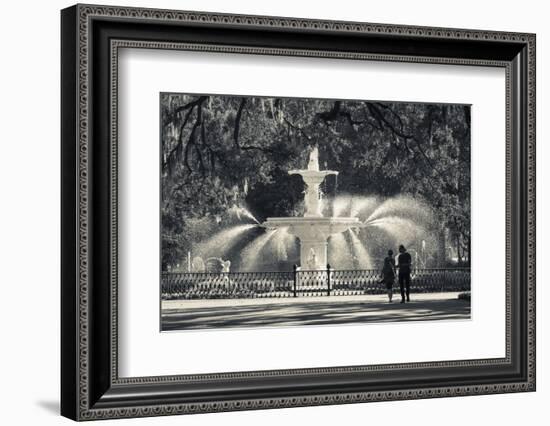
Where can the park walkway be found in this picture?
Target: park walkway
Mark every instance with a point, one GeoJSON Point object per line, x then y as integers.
{"type": "Point", "coordinates": [318, 310]}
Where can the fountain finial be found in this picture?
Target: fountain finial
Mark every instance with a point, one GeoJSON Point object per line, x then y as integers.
{"type": "Point", "coordinates": [313, 159]}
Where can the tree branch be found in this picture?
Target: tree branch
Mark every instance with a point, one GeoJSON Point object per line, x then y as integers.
{"type": "Point", "coordinates": [181, 108]}
{"type": "Point", "coordinates": [190, 107]}
{"type": "Point", "coordinates": [236, 131]}
{"type": "Point", "coordinates": [406, 137]}
{"type": "Point", "coordinates": [297, 128]}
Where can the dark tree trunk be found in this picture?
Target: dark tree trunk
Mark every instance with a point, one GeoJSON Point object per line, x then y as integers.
{"type": "Point", "coordinates": [441, 250]}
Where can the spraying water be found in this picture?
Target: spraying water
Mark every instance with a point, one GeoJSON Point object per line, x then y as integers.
{"type": "Point", "coordinates": [340, 255]}
{"type": "Point", "coordinates": [360, 252]}
{"type": "Point", "coordinates": [401, 206]}
{"type": "Point", "coordinates": [250, 253]}
{"type": "Point", "coordinates": [222, 241]}
{"type": "Point", "coordinates": [341, 206]}
{"type": "Point", "coordinates": [363, 206]}
{"type": "Point", "coordinates": [246, 213]}
{"type": "Point", "coordinates": [241, 212]}
{"type": "Point", "coordinates": [401, 229]}
{"type": "Point", "coordinates": [402, 218]}
{"type": "Point", "coordinates": [281, 244]}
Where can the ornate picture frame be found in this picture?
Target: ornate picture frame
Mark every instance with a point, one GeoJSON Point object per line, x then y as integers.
{"type": "Point", "coordinates": [91, 37]}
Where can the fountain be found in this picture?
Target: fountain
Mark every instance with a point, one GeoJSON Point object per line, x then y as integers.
{"type": "Point", "coordinates": [339, 235]}
{"type": "Point", "coordinates": [313, 229]}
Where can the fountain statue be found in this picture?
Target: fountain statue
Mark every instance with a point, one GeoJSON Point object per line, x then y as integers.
{"type": "Point", "coordinates": [311, 263]}
{"type": "Point", "coordinates": [313, 229]}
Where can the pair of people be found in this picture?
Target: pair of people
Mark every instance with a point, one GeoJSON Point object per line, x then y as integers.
{"type": "Point", "coordinates": [404, 261]}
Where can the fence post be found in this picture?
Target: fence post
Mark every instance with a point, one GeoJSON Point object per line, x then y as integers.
{"type": "Point", "coordinates": [295, 267]}
{"type": "Point", "coordinates": [328, 279]}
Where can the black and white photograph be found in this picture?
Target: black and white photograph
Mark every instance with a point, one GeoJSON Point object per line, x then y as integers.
{"type": "Point", "coordinates": [279, 211]}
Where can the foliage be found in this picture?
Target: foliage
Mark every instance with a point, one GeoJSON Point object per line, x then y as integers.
{"type": "Point", "coordinates": [220, 151]}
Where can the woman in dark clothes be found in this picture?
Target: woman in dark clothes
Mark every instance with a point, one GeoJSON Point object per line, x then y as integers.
{"type": "Point", "coordinates": [388, 274]}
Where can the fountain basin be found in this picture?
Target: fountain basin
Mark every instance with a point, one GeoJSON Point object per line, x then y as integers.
{"type": "Point", "coordinates": [313, 233]}
{"type": "Point", "coordinates": [316, 176]}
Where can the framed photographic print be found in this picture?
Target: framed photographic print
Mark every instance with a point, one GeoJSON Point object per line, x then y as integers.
{"type": "Point", "coordinates": [263, 212]}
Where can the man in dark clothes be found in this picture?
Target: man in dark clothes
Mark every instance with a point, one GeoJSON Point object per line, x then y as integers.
{"type": "Point", "coordinates": [404, 264]}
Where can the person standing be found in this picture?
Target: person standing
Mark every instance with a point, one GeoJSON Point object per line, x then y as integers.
{"type": "Point", "coordinates": [388, 274]}
{"type": "Point", "coordinates": [404, 261]}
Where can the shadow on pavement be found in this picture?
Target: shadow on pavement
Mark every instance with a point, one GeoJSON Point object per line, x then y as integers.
{"type": "Point", "coordinates": [296, 313]}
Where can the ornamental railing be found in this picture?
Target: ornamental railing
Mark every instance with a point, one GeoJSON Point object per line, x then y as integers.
{"type": "Point", "coordinates": [326, 282]}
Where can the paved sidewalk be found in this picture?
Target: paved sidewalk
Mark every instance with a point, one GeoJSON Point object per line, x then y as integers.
{"type": "Point", "coordinates": [213, 313]}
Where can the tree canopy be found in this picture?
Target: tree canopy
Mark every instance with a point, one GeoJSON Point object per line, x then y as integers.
{"type": "Point", "coordinates": [222, 151]}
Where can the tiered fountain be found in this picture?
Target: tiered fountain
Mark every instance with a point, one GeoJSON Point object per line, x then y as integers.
{"type": "Point", "coordinates": [313, 229]}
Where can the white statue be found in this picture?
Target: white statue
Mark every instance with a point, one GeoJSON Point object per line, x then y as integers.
{"type": "Point", "coordinates": [226, 265]}
{"type": "Point", "coordinates": [311, 260]}
{"type": "Point", "coordinates": [197, 265]}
